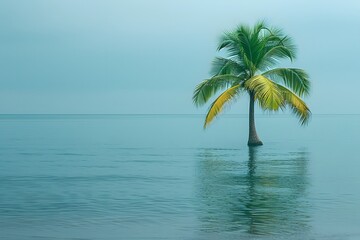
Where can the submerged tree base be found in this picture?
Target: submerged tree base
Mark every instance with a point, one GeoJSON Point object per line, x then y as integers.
{"type": "Point", "coordinates": [255, 143]}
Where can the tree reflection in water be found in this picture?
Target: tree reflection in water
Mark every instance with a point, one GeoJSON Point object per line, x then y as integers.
{"type": "Point", "coordinates": [263, 193]}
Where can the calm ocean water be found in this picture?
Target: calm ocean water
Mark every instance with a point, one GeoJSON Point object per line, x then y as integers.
{"type": "Point", "coordinates": [163, 177]}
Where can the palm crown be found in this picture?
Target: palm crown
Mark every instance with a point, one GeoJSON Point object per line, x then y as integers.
{"type": "Point", "coordinates": [252, 54]}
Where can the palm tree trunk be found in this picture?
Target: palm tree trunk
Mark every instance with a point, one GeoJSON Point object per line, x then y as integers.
{"type": "Point", "coordinates": [253, 137]}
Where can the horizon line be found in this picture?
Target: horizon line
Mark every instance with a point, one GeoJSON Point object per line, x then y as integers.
{"type": "Point", "coordinates": [200, 114]}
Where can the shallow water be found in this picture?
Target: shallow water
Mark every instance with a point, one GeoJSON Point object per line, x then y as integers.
{"type": "Point", "coordinates": [163, 177]}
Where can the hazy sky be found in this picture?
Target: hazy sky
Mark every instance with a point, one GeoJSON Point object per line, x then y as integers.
{"type": "Point", "coordinates": [102, 56]}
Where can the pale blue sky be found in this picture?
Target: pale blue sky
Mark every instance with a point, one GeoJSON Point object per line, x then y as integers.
{"type": "Point", "coordinates": [72, 56]}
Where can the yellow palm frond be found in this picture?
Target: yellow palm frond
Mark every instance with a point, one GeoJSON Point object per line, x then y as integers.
{"type": "Point", "coordinates": [218, 105]}
{"type": "Point", "coordinates": [266, 92]}
{"type": "Point", "coordinates": [297, 105]}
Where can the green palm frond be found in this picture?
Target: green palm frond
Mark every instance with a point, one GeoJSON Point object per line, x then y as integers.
{"type": "Point", "coordinates": [218, 105]}
{"type": "Point", "coordinates": [228, 39]}
{"type": "Point", "coordinates": [259, 47]}
{"type": "Point", "coordinates": [295, 79]}
{"type": "Point", "coordinates": [230, 42]}
{"type": "Point", "coordinates": [209, 87]}
{"type": "Point", "coordinates": [266, 92]}
{"type": "Point", "coordinates": [246, 42]}
{"type": "Point", "coordinates": [280, 48]}
{"type": "Point", "coordinates": [239, 46]}
{"type": "Point", "coordinates": [297, 105]}
{"type": "Point", "coordinates": [259, 26]}
{"type": "Point", "coordinates": [249, 42]}
{"type": "Point", "coordinates": [275, 47]}
{"type": "Point", "coordinates": [223, 66]}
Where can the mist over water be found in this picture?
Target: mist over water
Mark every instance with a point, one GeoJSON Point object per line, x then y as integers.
{"type": "Point", "coordinates": [163, 177]}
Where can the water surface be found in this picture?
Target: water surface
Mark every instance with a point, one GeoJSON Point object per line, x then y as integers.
{"type": "Point", "coordinates": [163, 177]}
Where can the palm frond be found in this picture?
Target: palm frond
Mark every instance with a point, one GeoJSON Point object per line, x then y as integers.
{"type": "Point", "coordinates": [238, 46]}
{"type": "Point", "coordinates": [249, 47]}
{"type": "Point", "coordinates": [223, 66]}
{"type": "Point", "coordinates": [295, 79]}
{"type": "Point", "coordinates": [209, 87]}
{"type": "Point", "coordinates": [297, 105]}
{"type": "Point", "coordinates": [275, 53]}
{"type": "Point", "coordinates": [275, 47]}
{"type": "Point", "coordinates": [230, 42]}
{"type": "Point", "coordinates": [227, 39]}
{"type": "Point", "coordinates": [259, 26]}
{"type": "Point", "coordinates": [218, 105]}
{"type": "Point", "coordinates": [266, 92]}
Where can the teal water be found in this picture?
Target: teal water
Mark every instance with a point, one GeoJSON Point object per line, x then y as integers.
{"type": "Point", "coordinates": [163, 177]}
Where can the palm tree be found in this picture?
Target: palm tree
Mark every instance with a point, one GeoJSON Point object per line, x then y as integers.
{"type": "Point", "coordinates": [252, 54]}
